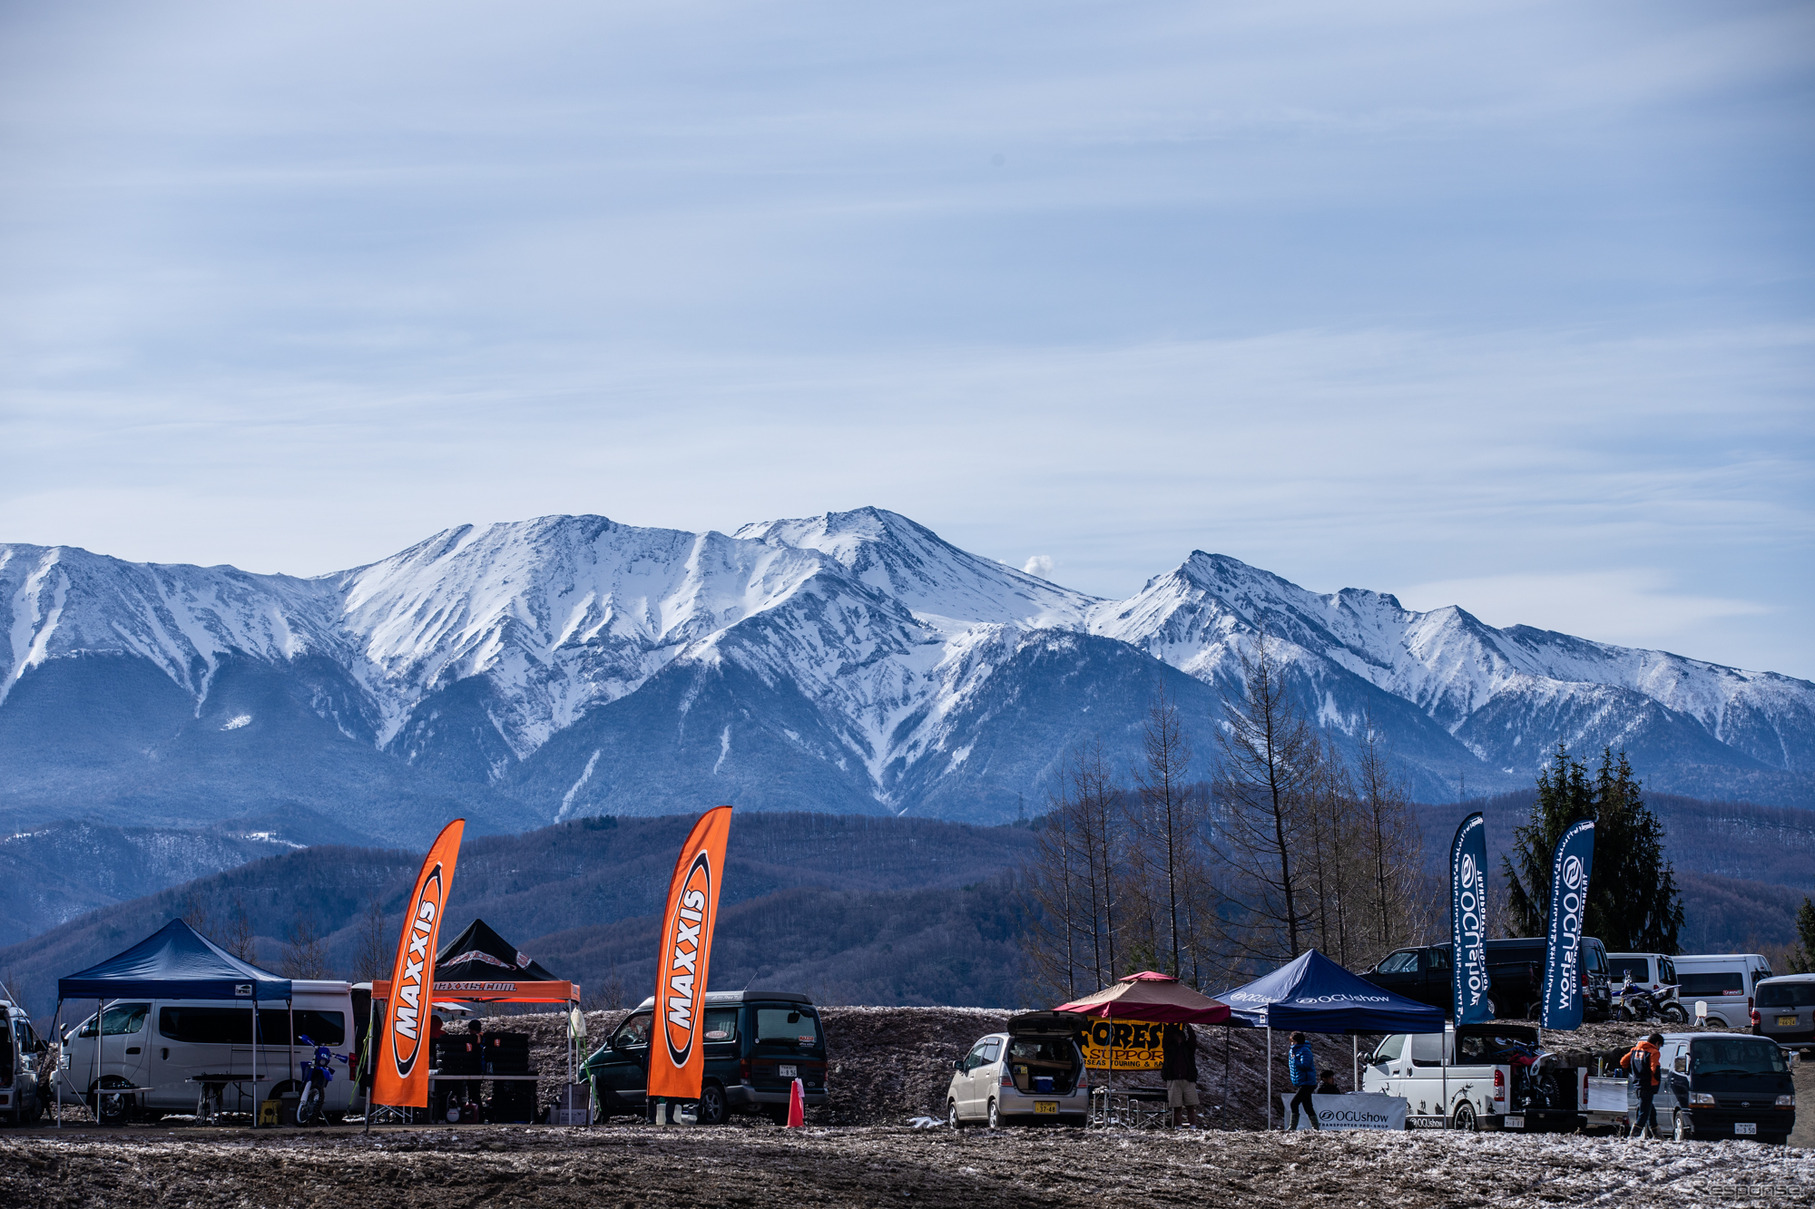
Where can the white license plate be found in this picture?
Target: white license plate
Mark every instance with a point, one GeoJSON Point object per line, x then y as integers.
{"type": "Point", "coordinates": [1745, 1128]}
{"type": "Point", "coordinates": [787, 1072]}
{"type": "Point", "coordinates": [1515, 1122]}
{"type": "Point", "coordinates": [1787, 1020]}
{"type": "Point", "coordinates": [1046, 1106]}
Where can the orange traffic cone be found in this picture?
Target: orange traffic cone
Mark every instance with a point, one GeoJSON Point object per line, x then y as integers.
{"type": "Point", "coordinates": [797, 1105]}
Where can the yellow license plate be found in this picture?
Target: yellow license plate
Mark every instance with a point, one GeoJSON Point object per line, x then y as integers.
{"type": "Point", "coordinates": [1786, 1020]}
{"type": "Point", "coordinates": [1046, 1106]}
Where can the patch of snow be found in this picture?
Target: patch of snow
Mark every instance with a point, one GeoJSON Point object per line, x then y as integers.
{"type": "Point", "coordinates": [235, 723]}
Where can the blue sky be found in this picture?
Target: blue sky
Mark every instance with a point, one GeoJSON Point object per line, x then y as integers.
{"type": "Point", "coordinates": [1506, 305]}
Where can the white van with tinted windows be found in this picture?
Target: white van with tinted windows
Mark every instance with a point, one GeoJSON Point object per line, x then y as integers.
{"type": "Point", "coordinates": [166, 1056]}
{"type": "Point", "coordinates": [1726, 982]}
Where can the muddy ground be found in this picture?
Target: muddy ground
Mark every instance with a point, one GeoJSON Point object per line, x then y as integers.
{"type": "Point", "coordinates": [644, 1166]}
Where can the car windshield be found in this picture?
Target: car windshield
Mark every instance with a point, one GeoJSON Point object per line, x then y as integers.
{"type": "Point", "coordinates": [1401, 963]}
{"type": "Point", "coordinates": [633, 1032]}
{"type": "Point", "coordinates": [1735, 1055]}
{"type": "Point", "coordinates": [1786, 994]}
{"type": "Point", "coordinates": [118, 1019]}
{"type": "Point", "coordinates": [788, 1025]}
{"type": "Point", "coordinates": [1666, 971]}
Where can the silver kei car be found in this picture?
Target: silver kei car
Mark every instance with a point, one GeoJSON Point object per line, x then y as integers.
{"type": "Point", "coordinates": [1032, 1073]}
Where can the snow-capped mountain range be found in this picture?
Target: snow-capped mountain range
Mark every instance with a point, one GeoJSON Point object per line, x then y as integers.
{"type": "Point", "coordinates": [847, 662]}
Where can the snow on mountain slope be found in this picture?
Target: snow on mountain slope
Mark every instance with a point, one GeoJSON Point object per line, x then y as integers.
{"type": "Point", "coordinates": [578, 663]}
{"type": "Point", "coordinates": [558, 614]}
{"type": "Point", "coordinates": [1200, 616]}
{"type": "Point", "coordinates": [60, 600]}
{"type": "Point", "coordinates": [943, 585]}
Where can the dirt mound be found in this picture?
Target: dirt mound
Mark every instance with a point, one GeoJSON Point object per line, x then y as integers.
{"type": "Point", "coordinates": [891, 1064]}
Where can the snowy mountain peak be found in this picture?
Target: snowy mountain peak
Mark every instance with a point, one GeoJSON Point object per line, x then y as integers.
{"type": "Point", "coordinates": [948, 587]}
{"type": "Point", "coordinates": [851, 657]}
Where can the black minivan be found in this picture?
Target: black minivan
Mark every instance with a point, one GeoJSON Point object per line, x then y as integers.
{"type": "Point", "coordinates": [757, 1043]}
{"type": "Point", "coordinates": [1725, 1085]}
{"type": "Point", "coordinates": [1515, 972]}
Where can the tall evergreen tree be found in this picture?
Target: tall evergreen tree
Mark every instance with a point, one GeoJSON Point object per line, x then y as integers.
{"type": "Point", "coordinates": [1802, 958]}
{"type": "Point", "coordinates": [1633, 902]}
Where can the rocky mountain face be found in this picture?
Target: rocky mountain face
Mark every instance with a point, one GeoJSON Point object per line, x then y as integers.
{"type": "Point", "coordinates": [851, 662]}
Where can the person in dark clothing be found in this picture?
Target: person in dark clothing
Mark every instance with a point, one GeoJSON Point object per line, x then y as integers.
{"type": "Point", "coordinates": [1326, 1084]}
{"type": "Point", "coordinates": [1303, 1067]}
{"type": "Point", "coordinates": [1642, 1062]}
{"type": "Point", "coordinates": [1178, 1067]}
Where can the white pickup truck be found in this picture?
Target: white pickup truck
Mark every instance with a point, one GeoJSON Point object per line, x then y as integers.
{"type": "Point", "coordinates": [1490, 1076]}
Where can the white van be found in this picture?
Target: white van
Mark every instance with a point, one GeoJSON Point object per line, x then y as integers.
{"type": "Point", "coordinates": [196, 1055]}
{"type": "Point", "coordinates": [1491, 1076]}
{"type": "Point", "coordinates": [1726, 982]}
{"type": "Point", "coordinates": [21, 1053]}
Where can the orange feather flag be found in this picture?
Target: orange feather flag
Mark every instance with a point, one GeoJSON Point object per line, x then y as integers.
{"type": "Point", "coordinates": [677, 1060]}
{"type": "Point", "coordinates": [400, 1074]}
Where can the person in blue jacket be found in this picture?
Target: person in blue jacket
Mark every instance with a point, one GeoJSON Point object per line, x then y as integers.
{"type": "Point", "coordinates": [1303, 1067]}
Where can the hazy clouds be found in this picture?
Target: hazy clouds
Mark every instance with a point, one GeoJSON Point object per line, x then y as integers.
{"type": "Point", "coordinates": [1508, 306]}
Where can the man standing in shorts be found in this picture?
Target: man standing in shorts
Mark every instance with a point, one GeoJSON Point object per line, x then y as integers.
{"type": "Point", "coordinates": [1178, 1067]}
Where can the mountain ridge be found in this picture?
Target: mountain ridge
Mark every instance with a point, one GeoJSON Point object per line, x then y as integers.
{"type": "Point", "coordinates": [852, 661]}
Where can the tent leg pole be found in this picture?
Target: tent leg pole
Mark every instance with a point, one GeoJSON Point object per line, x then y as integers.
{"type": "Point", "coordinates": [371, 1062]}
{"type": "Point", "coordinates": [258, 1105]}
{"type": "Point", "coordinates": [56, 1074]}
{"type": "Point", "coordinates": [1269, 1076]}
{"type": "Point", "coordinates": [1355, 1057]}
{"type": "Point", "coordinates": [95, 1066]}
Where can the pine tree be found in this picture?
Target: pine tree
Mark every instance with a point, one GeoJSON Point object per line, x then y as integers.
{"type": "Point", "coordinates": [1633, 902]}
{"type": "Point", "coordinates": [1802, 960]}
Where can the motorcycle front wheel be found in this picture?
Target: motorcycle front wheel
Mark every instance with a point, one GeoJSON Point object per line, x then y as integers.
{"type": "Point", "coordinates": [308, 1109]}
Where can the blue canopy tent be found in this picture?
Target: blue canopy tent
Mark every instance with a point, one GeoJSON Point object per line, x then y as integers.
{"type": "Point", "coordinates": [1315, 995]}
{"type": "Point", "coordinates": [175, 962]}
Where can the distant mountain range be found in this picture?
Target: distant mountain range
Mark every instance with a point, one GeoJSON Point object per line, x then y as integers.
{"type": "Point", "coordinates": [852, 663]}
{"type": "Point", "coordinates": [851, 909]}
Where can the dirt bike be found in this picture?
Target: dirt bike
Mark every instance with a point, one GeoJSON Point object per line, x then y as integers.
{"type": "Point", "coordinates": [317, 1073]}
{"type": "Point", "coordinates": [1635, 1003]}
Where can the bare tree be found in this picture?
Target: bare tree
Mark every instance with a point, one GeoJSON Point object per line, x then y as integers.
{"type": "Point", "coordinates": [305, 955]}
{"type": "Point", "coordinates": [196, 914]}
{"type": "Point", "coordinates": [1052, 881]}
{"type": "Point", "coordinates": [1392, 851]}
{"type": "Point", "coordinates": [1169, 819]}
{"type": "Point", "coordinates": [377, 945]}
{"type": "Point", "coordinates": [1269, 756]}
{"type": "Point", "coordinates": [1328, 863]}
{"type": "Point", "coordinates": [237, 937]}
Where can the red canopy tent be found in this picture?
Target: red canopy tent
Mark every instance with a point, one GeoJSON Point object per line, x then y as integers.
{"type": "Point", "coordinates": [1149, 997]}
{"type": "Point", "coordinates": [1160, 998]}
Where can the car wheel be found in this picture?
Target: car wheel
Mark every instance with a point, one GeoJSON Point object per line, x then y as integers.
{"type": "Point", "coordinates": [1534, 1010]}
{"type": "Point", "coordinates": [1465, 1118]}
{"type": "Point", "coordinates": [110, 1110]}
{"type": "Point", "coordinates": [1681, 1130]}
{"type": "Point", "coordinates": [712, 1105]}
{"type": "Point", "coordinates": [995, 1118]}
{"type": "Point", "coordinates": [951, 1115]}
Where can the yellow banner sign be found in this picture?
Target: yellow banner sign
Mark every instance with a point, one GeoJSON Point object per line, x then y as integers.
{"type": "Point", "coordinates": [1121, 1045]}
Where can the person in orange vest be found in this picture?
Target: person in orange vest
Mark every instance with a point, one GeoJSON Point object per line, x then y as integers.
{"type": "Point", "coordinates": [1642, 1062]}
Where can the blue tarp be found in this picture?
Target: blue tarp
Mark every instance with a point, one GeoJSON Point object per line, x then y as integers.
{"type": "Point", "coordinates": [1316, 995]}
{"type": "Point", "coordinates": [176, 962]}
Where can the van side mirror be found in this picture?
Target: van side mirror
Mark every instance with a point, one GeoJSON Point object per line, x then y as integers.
{"type": "Point", "coordinates": [958, 1064]}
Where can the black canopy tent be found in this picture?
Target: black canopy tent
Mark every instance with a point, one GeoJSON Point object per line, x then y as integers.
{"type": "Point", "coordinates": [479, 953]}
{"type": "Point", "coordinates": [1313, 994]}
{"type": "Point", "coordinates": [175, 962]}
